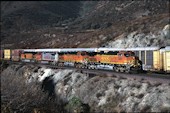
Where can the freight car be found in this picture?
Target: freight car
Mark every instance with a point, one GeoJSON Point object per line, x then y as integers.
{"type": "Point", "coordinates": [154, 58]}
{"type": "Point", "coordinates": [162, 59]}
{"type": "Point", "coordinates": [7, 54]}
{"type": "Point", "coordinates": [120, 59]}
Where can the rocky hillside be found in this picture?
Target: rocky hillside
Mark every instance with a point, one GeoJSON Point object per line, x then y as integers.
{"type": "Point", "coordinates": [71, 87]}
{"type": "Point", "coordinates": [84, 24]}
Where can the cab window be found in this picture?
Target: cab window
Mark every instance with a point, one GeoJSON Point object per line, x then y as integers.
{"type": "Point", "coordinates": [127, 54]}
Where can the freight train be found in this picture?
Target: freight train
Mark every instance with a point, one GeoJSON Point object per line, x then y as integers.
{"type": "Point", "coordinates": [117, 59]}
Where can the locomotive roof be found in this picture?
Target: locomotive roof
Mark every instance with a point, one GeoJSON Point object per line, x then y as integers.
{"type": "Point", "coordinates": [78, 49]}
{"type": "Point", "coordinates": [28, 50]}
{"type": "Point", "coordinates": [48, 50]}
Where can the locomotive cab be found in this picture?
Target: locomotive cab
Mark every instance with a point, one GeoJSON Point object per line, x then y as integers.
{"type": "Point", "coordinates": [129, 60]}
{"type": "Point", "coordinates": [134, 60]}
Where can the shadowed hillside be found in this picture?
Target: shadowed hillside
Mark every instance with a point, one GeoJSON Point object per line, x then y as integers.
{"type": "Point", "coordinates": [82, 23]}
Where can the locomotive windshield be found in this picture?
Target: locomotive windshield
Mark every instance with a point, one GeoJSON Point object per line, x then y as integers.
{"type": "Point", "coordinates": [128, 54]}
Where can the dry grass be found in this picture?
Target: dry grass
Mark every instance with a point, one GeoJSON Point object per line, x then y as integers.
{"type": "Point", "coordinates": [17, 96]}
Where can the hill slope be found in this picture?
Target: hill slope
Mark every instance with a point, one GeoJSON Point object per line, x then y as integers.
{"type": "Point", "coordinates": [82, 23]}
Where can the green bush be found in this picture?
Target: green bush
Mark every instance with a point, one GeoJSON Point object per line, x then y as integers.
{"type": "Point", "coordinates": [75, 105]}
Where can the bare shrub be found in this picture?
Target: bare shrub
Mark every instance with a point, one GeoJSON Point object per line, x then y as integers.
{"type": "Point", "coordinates": [19, 96]}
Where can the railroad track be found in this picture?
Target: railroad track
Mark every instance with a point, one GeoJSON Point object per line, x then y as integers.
{"type": "Point", "coordinates": [147, 76]}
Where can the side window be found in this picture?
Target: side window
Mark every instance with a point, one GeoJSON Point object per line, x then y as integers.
{"type": "Point", "coordinates": [127, 54]}
{"type": "Point", "coordinates": [83, 53]}
{"type": "Point", "coordinates": [120, 54]}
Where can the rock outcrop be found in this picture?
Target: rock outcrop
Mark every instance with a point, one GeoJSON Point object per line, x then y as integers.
{"type": "Point", "coordinates": [102, 94]}
{"type": "Point", "coordinates": [136, 39]}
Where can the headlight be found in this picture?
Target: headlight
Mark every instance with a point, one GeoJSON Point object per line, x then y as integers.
{"type": "Point", "coordinates": [131, 62]}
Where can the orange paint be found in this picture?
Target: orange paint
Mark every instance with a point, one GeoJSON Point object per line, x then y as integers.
{"type": "Point", "coordinates": [37, 57]}
{"type": "Point", "coordinates": [120, 58]}
{"type": "Point", "coordinates": [79, 57]}
{"type": "Point", "coordinates": [26, 56]}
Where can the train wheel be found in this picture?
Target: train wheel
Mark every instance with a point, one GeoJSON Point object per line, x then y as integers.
{"type": "Point", "coordinates": [121, 70]}
{"type": "Point", "coordinates": [116, 69]}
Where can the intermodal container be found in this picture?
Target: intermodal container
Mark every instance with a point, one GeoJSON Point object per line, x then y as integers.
{"type": "Point", "coordinates": [7, 54]}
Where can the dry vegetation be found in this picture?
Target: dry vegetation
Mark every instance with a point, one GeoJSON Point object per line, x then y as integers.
{"type": "Point", "coordinates": [17, 96]}
{"type": "Point", "coordinates": [82, 26]}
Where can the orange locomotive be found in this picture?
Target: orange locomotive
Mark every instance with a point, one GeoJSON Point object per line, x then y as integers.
{"type": "Point", "coordinates": [73, 57]}
{"type": "Point", "coordinates": [78, 58]}
{"type": "Point", "coordinates": [123, 61]}
{"type": "Point", "coordinates": [120, 61]}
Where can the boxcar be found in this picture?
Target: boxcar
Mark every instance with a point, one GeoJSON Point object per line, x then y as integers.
{"type": "Point", "coordinates": [146, 55]}
{"type": "Point", "coordinates": [15, 55]}
{"type": "Point", "coordinates": [161, 59]}
{"type": "Point", "coordinates": [7, 54]}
